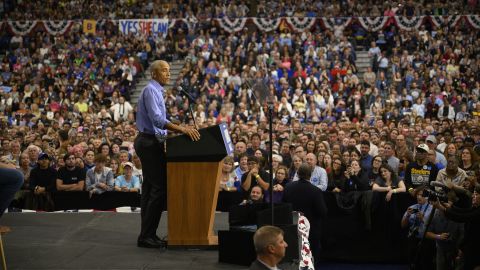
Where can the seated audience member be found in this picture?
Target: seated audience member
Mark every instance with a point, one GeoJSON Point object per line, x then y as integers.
{"type": "Point", "coordinates": [69, 177]}
{"type": "Point", "coordinates": [99, 178]}
{"type": "Point", "coordinates": [42, 182]}
{"type": "Point", "coordinates": [228, 180]}
{"type": "Point", "coordinates": [415, 218]}
{"type": "Point", "coordinates": [127, 182]}
{"type": "Point", "coordinates": [279, 183]}
{"type": "Point", "coordinates": [356, 178]}
{"type": "Point", "coordinates": [254, 177]}
{"type": "Point", "coordinates": [256, 196]}
{"type": "Point", "coordinates": [269, 246]}
{"type": "Point", "coordinates": [388, 182]}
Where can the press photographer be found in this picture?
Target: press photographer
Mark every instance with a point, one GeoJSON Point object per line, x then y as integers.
{"type": "Point", "coordinates": [416, 218]}
{"type": "Point", "coordinates": [471, 217]}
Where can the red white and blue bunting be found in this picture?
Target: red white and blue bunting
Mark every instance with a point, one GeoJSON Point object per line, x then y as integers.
{"type": "Point", "coordinates": [299, 24]}
{"type": "Point", "coordinates": [57, 27]}
{"type": "Point", "coordinates": [409, 23]}
{"type": "Point", "coordinates": [474, 21]}
{"type": "Point", "coordinates": [267, 25]}
{"type": "Point", "coordinates": [331, 23]}
{"type": "Point", "coordinates": [22, 28]}
{"type": "Point", "coordinates": [450, 21]}
{"type": "Point", "coordinates": [232, 26]}
{"type": "Point", "coordinates": [373, 24]}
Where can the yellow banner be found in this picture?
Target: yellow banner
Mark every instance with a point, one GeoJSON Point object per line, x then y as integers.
{"type": "Point", "coordinates": [89, 26]}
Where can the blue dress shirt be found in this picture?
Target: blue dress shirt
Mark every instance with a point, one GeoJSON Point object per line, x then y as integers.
{"type": "Point", "coordinates": [151, 114]}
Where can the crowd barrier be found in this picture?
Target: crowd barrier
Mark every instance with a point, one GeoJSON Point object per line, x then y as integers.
{"type": "Point", "coordinates": [360, 227]}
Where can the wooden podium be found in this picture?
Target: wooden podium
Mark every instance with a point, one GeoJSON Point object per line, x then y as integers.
{"type": "Point", "coordinates": [193, 173]}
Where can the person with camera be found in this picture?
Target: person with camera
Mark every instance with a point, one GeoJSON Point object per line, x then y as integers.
{"type": "Point", "coordinates": [471, 217]}
{"type": "Point", "coordinates": [415, 218]}
{"type": "Point", "coordinates": [447, 235]}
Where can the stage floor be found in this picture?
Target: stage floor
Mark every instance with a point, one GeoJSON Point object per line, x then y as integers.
{"type": "Point", "coordinates": [99, 240]}
{"type": "Point", "coordinates": [106, 240]}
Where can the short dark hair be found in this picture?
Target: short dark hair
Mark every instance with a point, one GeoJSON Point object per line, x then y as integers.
{"type": "Point", "coordinates": [253, 159]}
{"type": "Point", "coordinates": [304, 171]}
{"type": "Point", "coordinates": [365, 142]}
{"type": "Point", "coordinates": [67, 155]}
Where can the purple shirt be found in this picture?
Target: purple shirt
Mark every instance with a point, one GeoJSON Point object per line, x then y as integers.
{"type": "Point", "coordinates": [151, 113]}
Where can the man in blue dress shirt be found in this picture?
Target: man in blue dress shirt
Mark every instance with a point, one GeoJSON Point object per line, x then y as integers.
{"type": "Point", "coordinates": [152, 124]}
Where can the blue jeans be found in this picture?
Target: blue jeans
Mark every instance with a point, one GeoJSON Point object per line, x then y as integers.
{"type": "Point", "coordinates": [11, 181]}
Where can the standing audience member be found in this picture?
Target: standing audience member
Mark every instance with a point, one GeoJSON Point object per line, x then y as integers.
{"type": "Point", "coordinates": [388, 182]}
{"type": "Point", "coordinates": [70, 177]}
{"type": "Point", "coordinates": [269, 246]}
{"type": "Point", "coordinates": [421, 172]}
{"type": "Point", "coordinates": [255, 176]}
{"type": "Point", "coordinates": [308, 199]}
{"type": "Point", "coordinates": [319, 176]}
{"type": "Point", "coordinates": [127, 182]}
{"type": "Point", "coordinates": [42, 182]}
{"type": "Point", "coordinates": [279, 183]}
{"type": "Point", "coordinates": [99, 178]}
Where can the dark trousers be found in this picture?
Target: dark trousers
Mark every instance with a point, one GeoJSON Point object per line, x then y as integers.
{"type": "Point", "coordinates": [10, 182]}
{"type": "Point", "coordinates": [154, 187]}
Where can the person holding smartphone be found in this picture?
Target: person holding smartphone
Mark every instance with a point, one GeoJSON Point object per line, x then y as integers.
{"type": "Point", "coordinates": [415, 218]}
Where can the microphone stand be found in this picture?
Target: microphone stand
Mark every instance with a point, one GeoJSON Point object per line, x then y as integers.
{"type": "Point", "coordinates": [190, 101]}
{"type": "Point", "coordinates": [270, 105]}
{"type": "Point", "coordinates": [270, 155]}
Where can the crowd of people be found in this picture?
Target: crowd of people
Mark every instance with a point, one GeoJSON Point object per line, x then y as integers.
{"type": "Point", "coordinates": [202, 10]}
{"type": "Point", "coordinates": [411, 119]}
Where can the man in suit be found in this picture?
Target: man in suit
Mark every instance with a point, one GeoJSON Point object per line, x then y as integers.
{"type": "Point", "coordinates": [270, 248]}
{"type": "Point", "coordinates": [308, 199]}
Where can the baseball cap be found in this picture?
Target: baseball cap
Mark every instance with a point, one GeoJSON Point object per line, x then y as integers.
{"type": "Point", "coordinates": [43, 156]}
{"type": "Point", "coordinates": [431, 138]}
{"type": "Point", "coordinates": [128, 163]}
{"type": "Point", "coordinates": [423, 147]}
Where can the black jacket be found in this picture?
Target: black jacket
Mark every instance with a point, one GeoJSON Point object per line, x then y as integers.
{"type": "Point", "coordinates": [308, 199]}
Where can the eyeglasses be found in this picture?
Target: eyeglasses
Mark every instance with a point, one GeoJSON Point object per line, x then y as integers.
{"type": "Point", "coordinates": [377, 160]}
{"type": "Point", "coordinates": [337, 163]}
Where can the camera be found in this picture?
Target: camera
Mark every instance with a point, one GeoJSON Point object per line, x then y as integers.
{"type": "Point", "coordinates": [433, 195]}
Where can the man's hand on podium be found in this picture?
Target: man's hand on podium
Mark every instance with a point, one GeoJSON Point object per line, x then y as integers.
{"type": "Point", "coordinates": [192, 133]}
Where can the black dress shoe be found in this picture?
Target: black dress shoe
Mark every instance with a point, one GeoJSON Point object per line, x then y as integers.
{"type": "Point", "coordinates": [149, 243]}
{"type": "Point", "coordinates": [161, 240]}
